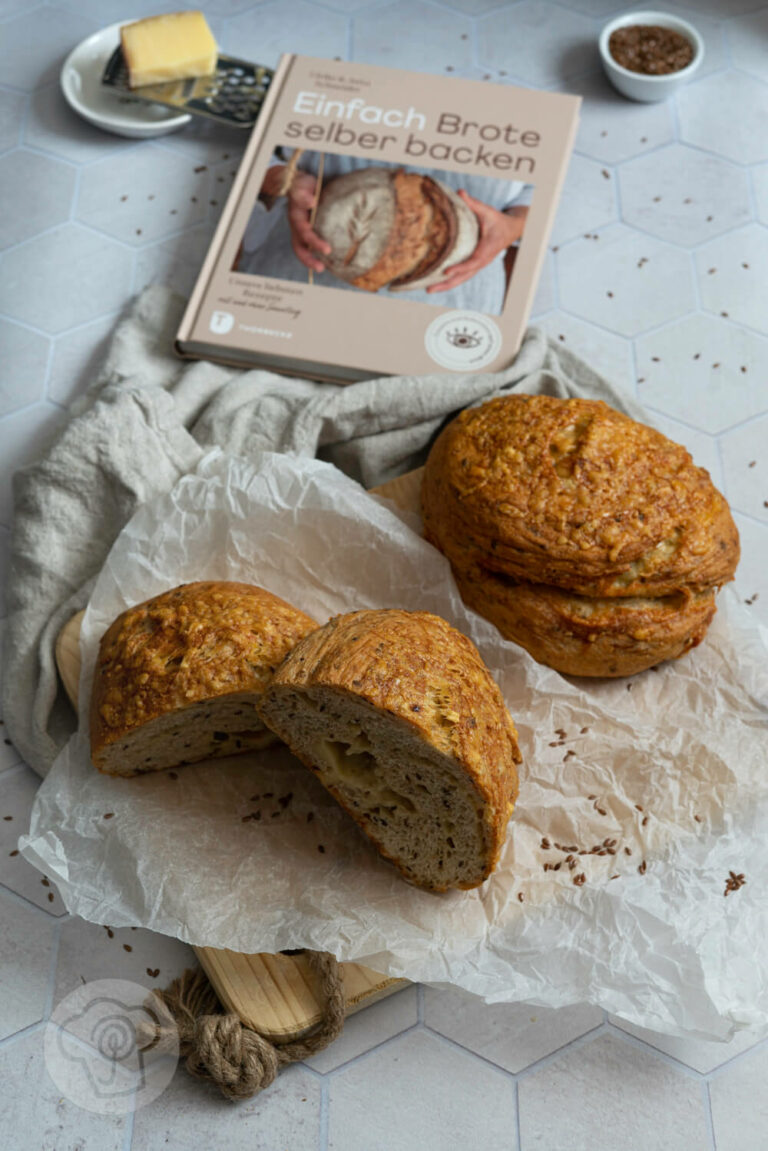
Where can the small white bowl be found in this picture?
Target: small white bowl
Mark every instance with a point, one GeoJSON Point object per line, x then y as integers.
{"type": "Point", "coordinates": [638, 85]}
{"type": "Point", "coordinates": [109, 108]}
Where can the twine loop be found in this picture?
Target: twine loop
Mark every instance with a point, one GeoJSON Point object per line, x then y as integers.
{"type": "Point", "coordinates": [217, 1046]}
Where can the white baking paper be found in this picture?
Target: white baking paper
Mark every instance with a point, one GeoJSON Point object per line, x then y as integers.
{"type": "Point", "coordinates": [665, 772]}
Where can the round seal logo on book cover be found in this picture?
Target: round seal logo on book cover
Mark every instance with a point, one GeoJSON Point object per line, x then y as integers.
{"type": "Point", "coordinates": [463, 341]}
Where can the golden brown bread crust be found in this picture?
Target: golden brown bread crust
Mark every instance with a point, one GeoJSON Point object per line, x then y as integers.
{"type": "Point", "coordinates": [199, 641]}
{"type": "Point", "coordinates": [582, 635]}
{"type": "Point", "coordinates": [547, 509]}
{"type": "Point", "coordinates": [417, 669]}
{"type": "Point", "coordinates": [441, 233]}
{"type": "Point", "coordinates": [573, 493]}
{"type": "Point", "coordinates": [409, 238]}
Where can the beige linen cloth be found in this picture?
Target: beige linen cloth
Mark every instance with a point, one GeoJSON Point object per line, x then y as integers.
{"type": "Point", "coordinates": [149, 417]}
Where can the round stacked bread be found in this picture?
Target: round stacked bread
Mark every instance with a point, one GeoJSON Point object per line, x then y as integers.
{"type": "Point", "coordinates": [392, 228]}
{"type": "Point", "coordinates": [590, 539]}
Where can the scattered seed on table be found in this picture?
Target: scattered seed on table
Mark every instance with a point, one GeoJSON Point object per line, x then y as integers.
{"type": "Point", "coordinates": [643, 868]}
{"type": "Point", "coordinates": [127, 947]}
{"type": "Point", "coordinates": [734, 882]}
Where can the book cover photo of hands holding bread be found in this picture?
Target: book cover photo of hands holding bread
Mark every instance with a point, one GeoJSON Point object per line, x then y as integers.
{"type": "Point", "coordinates": [404, 638]}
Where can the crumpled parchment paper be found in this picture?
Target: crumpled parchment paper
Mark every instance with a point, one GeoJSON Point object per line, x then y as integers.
{"type": "Point", "coordinates": [638, 798]}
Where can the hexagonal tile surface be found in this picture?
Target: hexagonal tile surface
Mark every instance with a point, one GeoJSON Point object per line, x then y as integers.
{"type": "Point", "coordinates": [88, 951]}
{"type": "Point", "coordinates": [588, 200]}
{"type": "Point", "coordinates": [64, 278]}
{"type": "Point", "coordinates": [747, 38]}
{"type": "Point", "coordinates": [612, 129]}
{"type": "Point", "coordinates": [175, 262]}
{"type": "Point", "coordinates": [24, 356]}
{"type": "Point", "coordinates": [373, 1104]}
{"type": "Point", "coordinates": [207, 142]}
{"type": "Point", "coordinates": [194, 1114]}
{"type": "Point", "coordinates": [17, 791]}
{"type": "Point", "coordinates": [740, 1103]}
{"type": "Point", "coordinates": [624, 282]}
{"type": "Point", "coordinates": [289, 26]}
{"type": "Point", "coordinates": [34, 1113]}
{"type": "Point", "coordinates": [25, 435]}
{"type": "Point", "coordinates": [597, 1094]}
{"type": "Point", "coordinates": [718, 8]}
{"type": "Point", "coordinates": [35, 192]}
{"type": "Point", "coordinates": [368, 1028]}
{"type": "Point", "coordinates": [608, 354]}
{"type": "Point", "coordinates": [683, 195]}
{"type": "Point", "coordinates": [745, 464]}
{"type": "Point", "coordinates": [696, 1053]}
{"type": "Point", "coordinates": [26, 944]}
{"type": "Point", "coordinates": [732, 275]}
{"type": "Point", "coordinates": [726, 114]}
{"type": "Point", "coordinates": [77, 356]}
{"type": "Point", "coordinates": [544, 299]}
{"type": "Point", "coordinates": [546, 59]}
{"type": "Point", "coordinates": [11, 113]}
{"type": "Point", "coordinates": [429, 44]}
{"type": "Point", "coordinates": [722, 365]}
{"type": "Point", "coordinates": [511, 1035]}
{"type": "Point", "coordinates": [143, 194]}
{"type": "Point", "coordinates": [760, 184]}
{"type": "Point", "coordinates": [33, 50]}
{"type": "Point", "coordinates": [53, 126]}
{"type": "Point", "coordinates": [751, 584]}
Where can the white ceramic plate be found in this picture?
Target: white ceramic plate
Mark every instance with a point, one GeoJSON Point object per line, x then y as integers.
{"type": "Point", "coordinates": [105, 107]}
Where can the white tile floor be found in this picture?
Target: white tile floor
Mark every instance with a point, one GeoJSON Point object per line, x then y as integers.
{"type": "Point", "coordinates": [658, 276]}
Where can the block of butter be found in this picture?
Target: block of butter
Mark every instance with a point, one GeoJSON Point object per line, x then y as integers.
{"type": "Point", "coordinates": [174, 46]}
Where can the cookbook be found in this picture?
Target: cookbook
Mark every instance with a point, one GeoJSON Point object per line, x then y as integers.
{"type": "Point", "coordinates": [382, 222]}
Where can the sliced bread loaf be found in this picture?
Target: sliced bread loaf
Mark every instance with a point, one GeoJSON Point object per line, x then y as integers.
{"type": "Point", "coordinates": [179, 676]}
{"type": "Point", "coordinates": [397, 715]}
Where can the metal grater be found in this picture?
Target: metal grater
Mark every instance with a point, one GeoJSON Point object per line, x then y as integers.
{"type": "Point", "coordinates": [233, 95]}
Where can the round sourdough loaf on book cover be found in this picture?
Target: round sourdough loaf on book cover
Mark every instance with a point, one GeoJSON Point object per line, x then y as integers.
{"type": "Point", "coordinates": [590, 539]}
{"type": "Point", "coordinates": [178, 677]}
{"type": "Point", "coordinates": [397, 715]}
{"type": "Point", "coordinates": [393, 229]}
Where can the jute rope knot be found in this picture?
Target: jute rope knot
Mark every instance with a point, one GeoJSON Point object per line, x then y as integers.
{"type": "Point", "coordinates": [219, 1047]}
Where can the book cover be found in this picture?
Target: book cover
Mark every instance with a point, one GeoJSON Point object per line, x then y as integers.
{"type": "Point", "coordinates": [382, 223]}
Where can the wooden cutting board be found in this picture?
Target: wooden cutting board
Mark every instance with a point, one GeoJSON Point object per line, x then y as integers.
{"type": "Point", "coordinates": [273, 994]}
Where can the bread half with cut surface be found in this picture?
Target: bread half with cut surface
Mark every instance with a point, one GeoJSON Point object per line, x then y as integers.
{"type": "Point", "coordinates": [397, 715]}
{"type": "Point", "coordinates": [179, 676]}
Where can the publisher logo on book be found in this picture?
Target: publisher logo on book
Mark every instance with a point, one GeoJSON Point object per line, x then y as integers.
{"type": "Point", "coordinates": [463, 341]}
{"type": "Point", "coordinates": [221, 323]}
